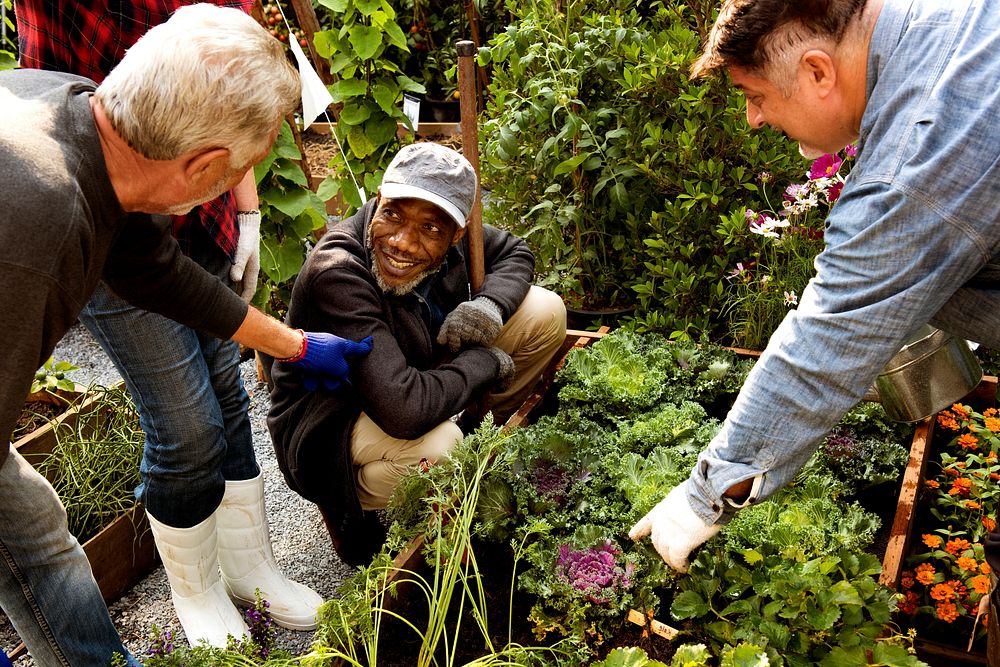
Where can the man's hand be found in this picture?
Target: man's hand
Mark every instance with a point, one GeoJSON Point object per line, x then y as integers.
{"type": "Point", "coordinates": [476, 322]}
{"type": "Point", "coordinates": [246, 264]}
{"type": "Point", "coordinates": [324, 359]}
{"type": "Point", "coordinates": [676, 530]}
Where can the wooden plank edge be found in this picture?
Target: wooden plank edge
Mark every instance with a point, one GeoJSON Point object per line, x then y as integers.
{"type": "Point", "coordinates": [895, 553]}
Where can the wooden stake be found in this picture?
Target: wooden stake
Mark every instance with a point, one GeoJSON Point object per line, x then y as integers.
{"type": "Point", "coordinates": [470, 147]}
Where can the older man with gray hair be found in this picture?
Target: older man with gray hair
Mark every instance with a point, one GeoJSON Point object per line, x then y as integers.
{"type": "Point", "coordinates": [193, 105]}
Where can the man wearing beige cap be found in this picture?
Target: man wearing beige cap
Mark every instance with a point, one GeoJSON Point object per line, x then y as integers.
{"type": "Point", "coordinates": [396, 271]}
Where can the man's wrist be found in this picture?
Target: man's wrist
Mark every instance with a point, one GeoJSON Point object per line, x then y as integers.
{"type": "Point", "coordinates": [303, 346]}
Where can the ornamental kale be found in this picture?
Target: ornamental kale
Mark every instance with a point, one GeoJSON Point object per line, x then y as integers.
{"type": "Point", "coordinates": [594, 571]}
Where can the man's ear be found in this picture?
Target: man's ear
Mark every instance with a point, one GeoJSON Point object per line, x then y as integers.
{"type": "Point", "coordinates": [211, 162]}
{"type": "Point", "coordinates": [820, 71]}
{"type": "Point", "coordinates": [459, 235]}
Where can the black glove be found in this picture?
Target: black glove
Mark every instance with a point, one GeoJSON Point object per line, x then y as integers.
{"type": "Point", "coordinates": [506, 374]}
{"type": "Point", "coordinates": [476, 322]}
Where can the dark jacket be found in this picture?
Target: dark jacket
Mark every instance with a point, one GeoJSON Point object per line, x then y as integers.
{"type": "Point", "coordinates": [408, 384]}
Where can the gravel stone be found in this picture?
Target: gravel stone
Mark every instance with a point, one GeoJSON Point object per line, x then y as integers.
{"type": "Point", "coordinates": [301, 544]}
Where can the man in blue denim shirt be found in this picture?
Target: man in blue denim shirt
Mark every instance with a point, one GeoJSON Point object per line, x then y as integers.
{"type": "Point", "coordinates": [914, 238]}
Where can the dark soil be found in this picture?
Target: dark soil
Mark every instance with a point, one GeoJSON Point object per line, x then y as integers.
{"type": "Point", "coordinates": [34, 415]}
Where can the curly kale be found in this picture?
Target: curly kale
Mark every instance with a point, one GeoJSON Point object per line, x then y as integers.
{"type": "Point", "coordinates": [802, 522]}
{"type": "Point", "coordinates": [685, 426]}
{"type": "Point", "coordinates": [626, 373]}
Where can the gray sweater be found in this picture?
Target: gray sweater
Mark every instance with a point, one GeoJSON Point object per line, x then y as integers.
{"type": "Point", "coordinates": [62, 230]}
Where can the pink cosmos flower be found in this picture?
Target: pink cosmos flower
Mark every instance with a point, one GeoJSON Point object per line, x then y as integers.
{"type": "Point", "coordinates": [851, 150]}
{"type": "Point", "coordinates": [826, 165]}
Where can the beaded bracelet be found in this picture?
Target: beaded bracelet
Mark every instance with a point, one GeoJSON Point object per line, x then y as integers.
{"type": "Point", "coordinates": [302, 350]}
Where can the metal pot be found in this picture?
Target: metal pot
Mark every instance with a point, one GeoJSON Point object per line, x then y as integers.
{"type": "Point", "coordinates": [932, 371]}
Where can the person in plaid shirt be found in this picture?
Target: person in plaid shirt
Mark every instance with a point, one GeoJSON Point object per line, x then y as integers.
{"type": "Point", "coordinates": [202, 487]}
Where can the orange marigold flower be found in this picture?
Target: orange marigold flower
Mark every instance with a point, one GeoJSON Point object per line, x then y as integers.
{"type": "Point", "coordinates": [993, 424]}
{"type": "Point", "coordinates": [906, 580]}
{"type": "Point", "coordinates": [984, 567]}
{"type": "Point", "coordinates": [957, 546]}
{"type": "Point", "coordinates": [908, 603]}
{"type": "Point", "coordinates": [961, 487]}
{"type": "Point", "coordinates": [960, 411]}
{"type": "Point", "coordinates": [952, 471]}
{"type": "Point", "coordinates": [946, 420]}
{"type": "Point", "coordinates": [967, 563]}
{"type": "Point", "coordinates": [933, 541]}
{"type": "Point", "coordinates": [925, 573]}
{"type": "Point", "coordinates": [947, 611]}
{"type": "Point", "coordinates": [980, 584]}
{"type": "Point", "coordinates": [931, 484]}
{"type": "Point", "coordinates": [972, 505]}
{"type": "Point", "coordinates": [942, 592]}
{"type": "Point", "coordinates": [994, 476]}
{"type": "Point", "coordinates": [990, 412]}
{"type": "Point", "coordinates": [968, 441]}
{"type": "Point", "coordinates": [991, 455]}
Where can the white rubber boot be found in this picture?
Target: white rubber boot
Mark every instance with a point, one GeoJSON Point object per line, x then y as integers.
{"type": "Point", "coordinates": [247, 560]}
{"type": "Point", "coordinates": [190, 557]}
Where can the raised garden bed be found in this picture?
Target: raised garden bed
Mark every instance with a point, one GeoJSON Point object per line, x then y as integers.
{"type": "Point", "coordinates": [122, 552]}
{"type": "Point", "coordinates": [937, 645]}
{"type": "Point", "coordinates": [408, 600]}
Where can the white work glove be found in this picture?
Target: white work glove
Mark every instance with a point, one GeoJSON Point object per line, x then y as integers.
{"type": "Point", "coordinates": [676, 530]}
{"type": "Point", "coordinates": [246, 264]}
{"type": "Point", "coordinates": [476, 322]}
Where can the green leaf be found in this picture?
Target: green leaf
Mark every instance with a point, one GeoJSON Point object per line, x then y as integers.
{"type": "Point", "coordinates": [345, 89]}
{"type": "Point", "coordinates": [688, 605]}
{"type": "Point", "coordinates": [355, 113]}
{"type": "Point", "coordinates": [395, 35]}
{"type": "Point", "coordinates": [336, 6]}
{"type": "Point", "coordinates": [291, 203]}
{"type": "Point", "coordinates": [629, 657]}
{"type": "Point", "coordinates": [385, 96]}
{"type": "Point", "coordinates": [841, 657]}
{"type": "Point", "coordinates": [366, 40]}
{"type": "Point", "coordinates": [291, 171]}
{"type": "Point", "coordinates": [328, 188]}
{"type": "Point", "coordinates": [325, 43]}
{"type": "Point", "coordinates": [281, 261]}
{"type": "Point", "coordinates": [570, 165]}
{"type": "Point", "coordinates": [367, 7]}
{"type": "Point", "coordinates": [358, 142]}
{"type": "Point", "coordinates": [822, 618]}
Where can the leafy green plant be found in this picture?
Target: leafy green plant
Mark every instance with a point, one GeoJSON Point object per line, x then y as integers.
{"type": "Point", "coordinates": [51, 377]}
{"type": "Point", "coordinates": [363, 47]}
{"type": "Point", "coordinates": [290, 213]}
{"type": "Point", "coordinates": [8, 36]}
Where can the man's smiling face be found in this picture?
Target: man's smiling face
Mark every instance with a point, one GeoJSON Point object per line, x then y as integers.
{"type": "Point", "coordinates": [409, 239]}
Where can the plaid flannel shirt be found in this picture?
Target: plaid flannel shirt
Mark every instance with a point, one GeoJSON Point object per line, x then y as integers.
{"type": "Point", "coordinates": [88, 39]}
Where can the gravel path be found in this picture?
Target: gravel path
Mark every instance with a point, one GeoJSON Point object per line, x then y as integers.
{"type": "Point", "coordinates": [301, 544]}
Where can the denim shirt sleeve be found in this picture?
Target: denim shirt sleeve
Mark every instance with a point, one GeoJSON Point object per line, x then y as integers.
{"type": "Point", "coordinates": [919, 218]}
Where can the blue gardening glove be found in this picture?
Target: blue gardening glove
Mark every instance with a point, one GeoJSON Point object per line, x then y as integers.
{"type": "Point", "coordinates": [246, 264]}
{"type": "Point", "coordinates": [324, 359]}
{"type": "Point", "coordinates": [476, 322]}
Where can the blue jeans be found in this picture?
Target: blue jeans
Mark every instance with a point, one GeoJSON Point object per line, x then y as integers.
{"type": "Point", "coordinates": [46, 586]}
{"type": "Point", "coordinates": [192, 405]}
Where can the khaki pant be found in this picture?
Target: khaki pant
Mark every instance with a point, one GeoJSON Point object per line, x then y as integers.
{"type": "Point", "coordinates": [531, 336]}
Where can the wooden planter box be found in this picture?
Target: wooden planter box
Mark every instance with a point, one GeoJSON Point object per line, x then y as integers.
{"type": "Point", "coordinates": [42, 439]}
{"type": "Point", "coordinates": [122, 553]}
{"type": "Point", "coordinates": [901, 539]}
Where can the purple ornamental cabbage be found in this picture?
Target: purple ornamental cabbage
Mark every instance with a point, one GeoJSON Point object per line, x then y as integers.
{"type": "Point", "coordinates": [552, 482]}
{"type": "Point", "coordinates": [594, 571]}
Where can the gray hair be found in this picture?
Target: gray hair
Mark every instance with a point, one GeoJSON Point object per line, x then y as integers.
{"type": "Point", "coordinates": [209, 77]}
{"type": "Point", "coordinates": [767, 36]}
